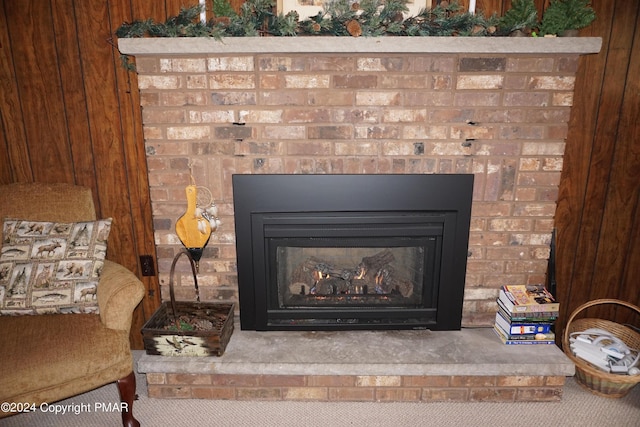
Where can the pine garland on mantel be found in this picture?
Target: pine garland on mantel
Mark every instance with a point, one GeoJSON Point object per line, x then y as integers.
{"type": "Point", "coordinates": [338, 18]}
{"type": "Point", "coordinates": [365, 18]}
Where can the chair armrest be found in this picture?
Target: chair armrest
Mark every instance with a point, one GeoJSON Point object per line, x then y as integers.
{"type": "Point", "coordinates": [119, 292]}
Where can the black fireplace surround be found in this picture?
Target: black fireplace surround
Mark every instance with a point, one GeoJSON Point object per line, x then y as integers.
{"type": "Point", "coordinates": [327, 252]}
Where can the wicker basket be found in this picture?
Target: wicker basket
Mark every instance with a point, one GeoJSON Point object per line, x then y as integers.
{"type": "Point", "coordinates": [593, 379]}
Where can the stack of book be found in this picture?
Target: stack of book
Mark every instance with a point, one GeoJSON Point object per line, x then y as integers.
{"type": "Point", "coordinates": [526, 315]}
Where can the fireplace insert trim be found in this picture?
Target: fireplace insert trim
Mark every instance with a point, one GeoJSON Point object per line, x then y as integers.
{"type": "Point", "coordinates": [386, 231]}
{"type": "Point", "coordinates": [360, 201]}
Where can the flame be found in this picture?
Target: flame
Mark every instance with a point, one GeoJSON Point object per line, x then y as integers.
{"type": "Point", "coordinates": [363, 271]}
{"type": "Point", "coordinates": [319, 275]}
{"type": "Point", "coordinates": [379, 277]}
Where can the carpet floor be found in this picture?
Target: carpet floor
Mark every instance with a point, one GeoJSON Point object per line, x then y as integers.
{"type": "Point", "coordinates": [578, 407]}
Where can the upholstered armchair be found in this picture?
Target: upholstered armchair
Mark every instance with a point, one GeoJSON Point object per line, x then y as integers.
{"type": "Point", "coordinates": [47, 356]}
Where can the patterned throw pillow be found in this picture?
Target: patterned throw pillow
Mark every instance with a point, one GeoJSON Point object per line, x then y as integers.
{"type": "Point", "coordinates": [51, 267]}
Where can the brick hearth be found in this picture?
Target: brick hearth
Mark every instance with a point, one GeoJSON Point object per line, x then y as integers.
{"type": "Point", "coordinates": [374, 366]}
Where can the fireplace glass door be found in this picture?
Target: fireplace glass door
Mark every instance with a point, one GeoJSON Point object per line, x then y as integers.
{"type": "Point", "coordinates": [350, 276]}
{"type": "Point", "coordinates": [361, 268]}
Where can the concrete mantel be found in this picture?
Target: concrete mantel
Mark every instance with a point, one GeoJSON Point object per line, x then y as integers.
{"type": "Point", "coordinates": [320, 44]}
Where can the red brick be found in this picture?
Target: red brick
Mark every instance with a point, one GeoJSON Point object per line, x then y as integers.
{"type": "Point", "coordinates": [169, 99]}
{"type": "Point", "coordinates": [445, 394]}
{"type": "Point", "coordinates": [380, 64]}
{"type": "Point", "coordinates": [187, 379]}
{"type": "Point", "coordinates": [534, 209]}
{"type": "Point", "coordinates": [218, 393]}
{"type": "Point", "coordinates": [332, 98]}
{"type": "Point", "coordinates": [282, 380]}
{"type": "Point", "coordinates": [329, 132]}
{"type": "Point", "coordinates": [492, 394]}
{"type": "Point", "coordinates": [507, 253]}
{"type": "Point", "coordinates": [258, 393]}
{"type": "Point", "coordinates": [357, 394]}
{"type": "Point", "coordinates": [398, 394]}
{"type": "Point", "coordinates": [314, 115]}
{"type": "Point", "coordinates": [232, 81]}
{"type": "Point", "coordinates": [533, 266]}
{"type": "Point", "coordinates": [368, 148]}
{"type": "Point", "coordinates": [555, 381]}
{"type": "Point", "coordinates": [530, 64]}
{"type": "Point", "coordinates": [154, 391]}
{"type": "Point", "coordinates": [331, 380]}
{"type": "Point", "coordinates": [305, 393]}
{"type": "Point", "coordinates": [170, 115]}
{"type": "Point", "coordinates": [431, 63]}
{"type": "Point", "coordinates": [284, 132]}
{"type": "Point", "coordinates": [567, 64]}
{"type": "Point", "coordinates": [560, 99]}
{"type": "Point", "coordinates": [488, 209]}
{"type": "Point", "coordinates": [514, 82]}
{"type": "Point", "coordinates": [170, 392]}
{"type": "Point", "coordinates": [231, 63]}
{"type": "Point", "coordinates": [331, 63]}
{"type": "Point", "coordinates": [482, 64]}
{"type": "Point", "coordinates": [489, 239]}
{"type": "Point", "coordinates": [281, 63]}
{"type": "Point", "coordinates": [510, 224]}
{"type": "Point", "coordinates": [520, 381]}
{"type": "Point", "coordinates": [290, 97]}
{"type": "Point", "coordinates": [499, 280]}
{"type": "Point", "coordinates": [429, 99]}
{"type": "Point", "coordinates": [147, 65]}
{"type": "Point", "coordinates": [539, 394]}
{"type": "Point", "coordinates": [522, 132]}
{"type": "Point", "coordinates": [314, 81]}
{"type": "Point", "coordinates": [480, 82]}
{"type": "Point", "coordinates": [355, 81]}
{"type": "Point", "coordinates": [426, 381]}
{"type": "Point", "coordinates": [235, 380]}
{"type": "Point", "coordinates": [404, 82]}
{"type": "Point", "coordinates": [534, 99]}
{"type": "Point", "coordinates": [560, 131]}
{"type": "Point", "coordinates": [457, 115]}
{"type": "Point", "coordinates": [316, 148]}
{"type": "Point", "coordinates": [552, 82]}
{"type": "Point", "coordinates": [270, 81]}
{"type": "Point", "coordinates": [463, 99]}
{"type": "Point", "coordinates": [378, 132]}
{"type": "Point", "coordinates": [378, 381]}
{"type": "Point", "coordinates": [378, 98]}
{"type": "Point", "coordinates": [473, 381]}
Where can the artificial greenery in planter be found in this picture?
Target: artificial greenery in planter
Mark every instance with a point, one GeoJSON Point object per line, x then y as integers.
{"type": "Point", "coordinates": [564, 15]}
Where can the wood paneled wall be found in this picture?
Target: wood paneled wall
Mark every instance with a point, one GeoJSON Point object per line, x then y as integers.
{"type": "Point", "coordinates": [70, 113]}
{"type": "Point", "coordinates": [598, 216]}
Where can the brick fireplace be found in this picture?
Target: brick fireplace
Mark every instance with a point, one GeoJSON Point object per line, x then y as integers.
{"type": "Point", "coordinates": [494, 107]}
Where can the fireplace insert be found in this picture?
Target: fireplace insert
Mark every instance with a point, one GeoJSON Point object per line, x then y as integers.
{"type": "Point", "coordinates": [325, 252]}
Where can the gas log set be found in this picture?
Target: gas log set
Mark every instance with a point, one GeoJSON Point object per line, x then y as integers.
{"type": "Point", "coordinates": [372, 277]}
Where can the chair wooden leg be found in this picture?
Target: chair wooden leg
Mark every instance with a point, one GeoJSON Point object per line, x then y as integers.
{"type": "Point", "coordinates": [127, 390]}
